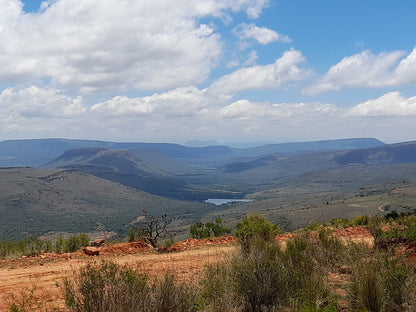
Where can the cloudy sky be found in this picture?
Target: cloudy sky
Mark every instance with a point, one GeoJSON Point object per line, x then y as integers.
{"type": "Point", "coordinates": [223, 70]}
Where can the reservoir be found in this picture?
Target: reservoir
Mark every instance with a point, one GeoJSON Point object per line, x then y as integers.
{"type": "Point", "coordinates": [220, 201]}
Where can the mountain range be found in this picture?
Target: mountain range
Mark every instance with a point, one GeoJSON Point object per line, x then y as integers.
{"type": "Point", "coordinates": [78, 183]}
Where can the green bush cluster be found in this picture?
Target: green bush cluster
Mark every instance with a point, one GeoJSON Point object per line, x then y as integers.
{"type": "Point", "coordinates": [201, 230]}
{"type": "Point", "coordinates": [403, 227]}
{"type": "Point", "coordinates": [33, 246]}
{"type": "Point", "coordinates": [255, 230]}
{"type": "Point", "coordinates": [382, 283]}
{"type": "Point", "coordinates": [110, 287]}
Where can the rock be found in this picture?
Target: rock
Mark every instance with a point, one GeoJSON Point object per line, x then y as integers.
{"type": "Point", "coordinates": [91, 251]}
{"type": "Point", "coordinates": [98, 242]}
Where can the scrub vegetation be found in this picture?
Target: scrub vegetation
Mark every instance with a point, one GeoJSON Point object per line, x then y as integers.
{"type": "Point", "coordinates": [303, 274]}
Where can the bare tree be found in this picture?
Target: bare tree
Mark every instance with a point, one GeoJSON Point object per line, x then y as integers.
{"type": "Point", "coordinates": [150, 228]}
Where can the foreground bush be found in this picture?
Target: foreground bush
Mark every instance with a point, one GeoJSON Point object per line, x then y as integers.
{"type": "Point", "coordinates": [109, 287]}
{"type": "Point", "coordinates": [382, 283]}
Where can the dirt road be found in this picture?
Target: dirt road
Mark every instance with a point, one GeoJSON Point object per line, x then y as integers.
{"type": "Point", "coordinates": [18, 277]}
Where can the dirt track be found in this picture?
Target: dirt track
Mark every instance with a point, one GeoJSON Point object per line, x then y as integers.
{"type": "Point", "coordinates": [47, 272]}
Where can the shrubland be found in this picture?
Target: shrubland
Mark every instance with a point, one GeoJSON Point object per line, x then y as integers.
{"type": "Point", "coordinates": [264, 275]}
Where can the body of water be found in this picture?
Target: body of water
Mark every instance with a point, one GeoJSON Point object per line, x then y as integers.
{"type": "Point", "coordinates": [220, 201]}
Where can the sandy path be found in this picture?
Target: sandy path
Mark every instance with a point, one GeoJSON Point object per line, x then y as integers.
{"type": "Point", "coordinates": [19, 276]}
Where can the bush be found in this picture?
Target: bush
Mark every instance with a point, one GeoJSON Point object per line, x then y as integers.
{"type": "Point", "coordinates": [200, 230]}
{"type": "Point", "coordinates": [380, 284]}
{"type": "Point", "coordinates": [360, 220]}
{"type": "Point", "coordinates": [168, 296]}
{"type": "Point", "coordinates": [106, 287]}
{"type": "Point", "coordinates": [75, 242]}
{"type": "Point", "coordinates": [110, 287]}
{"type": "Point", "coordinates": [268, 278]}
{"type": "Point", "coordinates": [341, 222]}
{"type": "Point", "coordinates": [255, 230]}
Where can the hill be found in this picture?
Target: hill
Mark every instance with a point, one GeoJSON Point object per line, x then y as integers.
{"type": "Point", "coordinates": [42, 151]}
{"type": "Point", "coordinates": [34, 202]}
{"type": "Point", "coordinates": [125, 167]}
{"type": "Point", "coordinates": [387, 154]}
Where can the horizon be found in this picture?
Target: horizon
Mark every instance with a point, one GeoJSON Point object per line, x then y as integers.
{"type": "Point", "coordinates": [253, 71]}
{"type": "Point", "coordinates": [197, 143]}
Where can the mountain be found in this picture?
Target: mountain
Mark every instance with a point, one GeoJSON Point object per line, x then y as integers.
{"type": "Point", "coordinates": [37, 201]}
{"type": "Point", "coordinates": [387, 154]}
{"type": "Point", "coordinates": [125, 167]}
{"type": "Point", "coordinates": [41, 151]}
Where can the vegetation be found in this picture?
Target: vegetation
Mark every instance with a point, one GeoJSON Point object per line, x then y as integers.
{"type": "Point", "coordinates": [204, 230]}
{"type": "Point", "coordinates": [254, 230]}
{"type": "Point", "coordinates": [263, 276]}
{"type": "Point", "coordinates": [149, 228]}
{"type": "Point", "coordinates": [34, 246]}
{"type": "Point", "coordinates": [110, 287]}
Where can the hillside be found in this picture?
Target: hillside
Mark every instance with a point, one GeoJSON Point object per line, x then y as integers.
{"type": "Point", "coordinates": [127, 168]}
{"type": "Point", "coordinates": [387, 154]}
{"type": "Point", "coordinates": [34, 202]}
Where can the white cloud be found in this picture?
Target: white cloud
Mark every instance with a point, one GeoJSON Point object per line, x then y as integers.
{"type": "Point", "coordinates": [392, 104]}
{"type": "Point", "coordinates": [296, 112]}
{"type": "Point", "coordinates": [35, 102]}
{"type": "Point", "coordinates": [405, 72]}
{"type": "Point", "coordinates": [175, 103]}
{"type": "Point", "coordinates": [108, 44]}
{"type": "Point", "coordinates": [252, 57]}
{"type": "Point", "coordinates": [262, 35]}
{"type": "Point", "coordinates": [272, 76]}
{"type": "Point", "coordinates": [360, 70]}
{"type": "Point", "coordinates": [368, 70]}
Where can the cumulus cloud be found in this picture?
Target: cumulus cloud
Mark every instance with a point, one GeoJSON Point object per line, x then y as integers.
{"type": "Point", "coordinates": [392, 104]}
{"type": "Point", "coordinates": [406, 70]}
{"type": "Point", "coordinates": [35, 102]}
{"type": "Point", "coordinates": [175, 103]}
{"type": "Point", "coordinates": [273, 76]}
{"type": "Point", "coordinates": [97, 45]}
{"type": "Point", "coordinates": [245, 109]}
{"type": "Point", "coordinates": [368, 70]}
{"type": "Point", "coordinates": [262, 35]}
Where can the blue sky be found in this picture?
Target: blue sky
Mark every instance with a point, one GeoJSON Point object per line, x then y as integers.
{"type": "Point", "coordinates": [229, 71]}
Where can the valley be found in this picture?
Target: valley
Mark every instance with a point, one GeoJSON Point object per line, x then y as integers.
{"type": "Point", "coordinates": [73, 186]}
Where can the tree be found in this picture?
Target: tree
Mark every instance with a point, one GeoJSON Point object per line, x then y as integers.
{"type": "Point", "coordinates": [149, 228]}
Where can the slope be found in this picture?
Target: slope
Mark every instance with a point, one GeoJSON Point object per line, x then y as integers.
{"type": "Point", "coordinates": [33, 202]}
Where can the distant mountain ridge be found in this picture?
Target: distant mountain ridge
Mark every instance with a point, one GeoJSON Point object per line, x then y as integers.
{"type": "Point", "coordinates": [37, 152]}
{"type": "Point", "coordinates": [387, 154]}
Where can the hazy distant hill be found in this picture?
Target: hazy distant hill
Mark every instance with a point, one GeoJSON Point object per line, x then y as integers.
{"type": "Point", "coordinates": [33, 202]}
{"type": "Point", "coordinates": [387, 154]}
{"type": "Point", "coordinates": [125, 167]}
{"type": "Point", "coordinates": [40, 151]}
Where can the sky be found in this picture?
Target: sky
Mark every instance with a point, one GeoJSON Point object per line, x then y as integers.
{"type": "Point", "coordinates": [208, 70]}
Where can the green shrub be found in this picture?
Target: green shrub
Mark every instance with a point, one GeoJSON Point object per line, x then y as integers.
{"type": "Point", "coordinates": [341, 222]}
{"type": "Point", "coordinates": [30, 246]}
{"type": "Point", "coordinates": [382, 283]}
{"type": "Point", "coordinates": [360, 220]}
{"type": "Point", "coordinates": [255, 230]}
{"type": "Point", "coordinates": [217, 288]}
{"type": "Point", "coordinates": [106, 287]}
{"type": "Point", "coordinates": [110, 287]}
{"type": "Point", "coordinates": [267, 277]}
{"type": "Point", "coordinates": [169, 296]}
{"type": "Point", "coordinates": [201, 230]}
{"type": "Point", "coordinates": [75, 242]}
